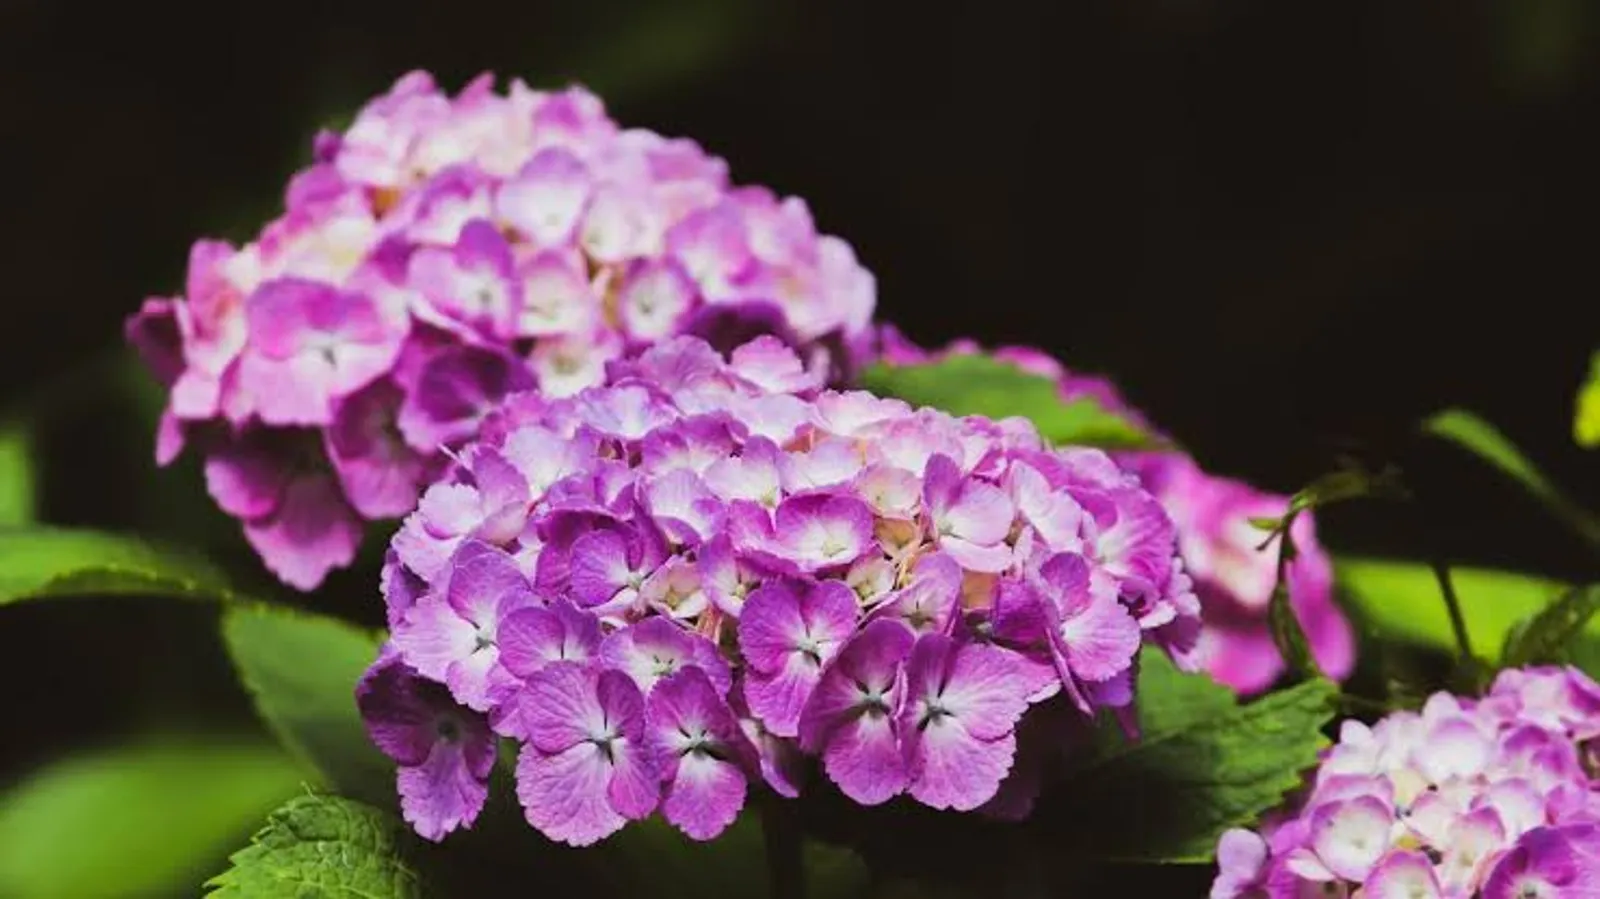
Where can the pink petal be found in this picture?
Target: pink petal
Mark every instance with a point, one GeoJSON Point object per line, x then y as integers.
{"type": "Point", "coordinates": [561, 707]}
{"type": "Point", "coordinates": [705, 796]}
{"type": "Point", "coordinates": [564, 795]}
{"type": "Point", "coordinates": [950, 768]}
{"type": "Point", "coordinates": [441, 795]}
{"type": "Point", "coordinates": [864, 759]}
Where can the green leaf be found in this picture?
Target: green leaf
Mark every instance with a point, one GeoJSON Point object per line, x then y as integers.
{"type": "Point", "coordinates": [1400, 600]}
{"type": "Point", "coordinates": [321, 847]}
{"type": "Point", "coordinates": [1203, 764]}
{"type": "Point", "coordinates": [147, 819]}
{"type": "Point", "coordinates": [302, 671]}
{"type": "Point", "coordinates": [1350, 480]}
{"type": "Point", "coordinates": [1586, 420]}
{"type": "Point", "coordinates": [980, 385]}
{"type": "Point", "coordinates": [1171, 701]}
{"type": "Point", "coordinates": [17, 500]}
{"type": "Point", "coordinates": [41, 562]}
{"type": "Point", "coordinates": [1484, 440]}
{"type": "Point", "coordinates": [1546, 636]}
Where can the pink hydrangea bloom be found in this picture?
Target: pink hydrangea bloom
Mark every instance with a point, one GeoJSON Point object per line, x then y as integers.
{"type": "Point", "coordinates": [1487, 798]}
{"type": "Point", "coordinates": [1232, 578]}
{"type": "Point", "coordinates": [444, 252]}
{"type": "Point", "coordinates": [680, 582]}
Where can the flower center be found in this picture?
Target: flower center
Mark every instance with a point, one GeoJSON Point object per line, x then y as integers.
{"type": "Point", "coordinates": [809, 647]}
{"type": "Point", "coordinates": [447, 729]}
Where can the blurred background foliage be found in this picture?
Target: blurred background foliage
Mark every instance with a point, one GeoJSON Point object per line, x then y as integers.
{"type": "Point", "coordinates": [1288, 230]}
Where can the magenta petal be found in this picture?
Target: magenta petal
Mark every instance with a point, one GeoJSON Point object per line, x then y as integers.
{"type": "Point", "coordinates": [704, 797]}
{"type": "Point", "coordinates": [247, 477]}
{"type": "Point", "coordinates": [961, 703]}
{"type": "Point", "coordinates": [863, 675]}
{"type": "Point", "coordinates": [445, 752]}
{"type": "Point", "coordinates": [599, 568]}
{"type": "Point", "coordinates": [380, 474]}
{"type": "Point", "coordinates": [929, 600]}
{"type": "Point", "coordinates": [1404, 873]}
{"type": "Point", "coordinates": [986, 687]}
{"type": "Point", "coordinates": [154, 333]}
{"type": "Point", "coordinates": [486, 584]}
{"type": "Point", "coordinates": [564, 795]}
{"type": "Point", "coordinates": [442, 794]}
{"type": "Point", "coordinates": [532, 638]}
{"type": "Point", "coordinates": [562, 707]}
{"type": "Point", "coordinates": [1101, 640]}
{"type": "Point", "coordinates": [786, 639]}
{"type": "Point", "coordinates": [455, 390]}
{"type": "Point", "coordinates": [821, 531]}
{"type": "Point", "coordinates": [769, 624]}
{"type": "Point", "coordinates": [779, 698]}
{"type": "Point", "coordinates": [864, 759]}
{"type": "Point", "coordinates": [312, 532]}
{"type": "Point", "coordinates": [949, 768]}
{"type": "Point", "coordinates": [701, 751]}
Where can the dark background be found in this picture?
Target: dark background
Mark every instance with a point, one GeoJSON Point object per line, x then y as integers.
{"type": "Point", "coordinates": [1281, 226]}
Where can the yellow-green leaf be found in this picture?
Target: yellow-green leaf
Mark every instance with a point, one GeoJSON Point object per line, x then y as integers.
{"type": "Point", "coordinates": [975, 384]}
{"type": "Point", "coordinates": [150, 819]}
{"type": "Point", "coordinates": [302, 670]}
{"type": "Point", "coordinates": [42, 562]}
{"type": "Point", "coordinates": [1586, 420]}
{"type": "Point", "coordinates": [17, 499]}
{"type": "Point", "coordinates": [1484, 440]}
{"type": "Point", "coordinates": [1400, 600]}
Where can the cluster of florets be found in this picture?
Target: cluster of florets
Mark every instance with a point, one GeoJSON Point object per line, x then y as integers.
{"type": "Point", "coordinates": [1489, 798]}
{"type": "Point", "coordinates": [1221, 549]}
{"type": "Point", "coordinates": [441, 254]}
{"type": "Point", "coordinates": [684, 582]}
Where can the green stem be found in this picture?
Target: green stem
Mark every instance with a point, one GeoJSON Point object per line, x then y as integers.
{"type": "Point", "coordinates": [780, 830]}
{"type": "Point", "coordinates": [1452, 604]}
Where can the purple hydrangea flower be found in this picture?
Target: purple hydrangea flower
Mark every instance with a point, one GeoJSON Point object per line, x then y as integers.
{"type": "Point", "coordinates": [703, 755]}
{"type": "Point", "coordinates": [1231, 578]}
{"type": "Point", "coordinates": [444, 752]}
{"type": "Point", "coordinates": [445, 252]}
{"type": "Point", "coordinates": [585, 770]}
{"type": "Point", "coordinates": [673, 585]}
{"type": "Point", "coordinates": [1485, 797]}
{"type": "Point", "coordinates": [852, 718]}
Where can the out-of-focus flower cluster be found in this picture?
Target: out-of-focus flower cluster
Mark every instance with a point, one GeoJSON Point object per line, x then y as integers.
{"type": "Point", "coordinates": [678, 584]}
{"type": "Point", "coordinates": [1490, 798]}
{"type": "Point", "coordinates": [441, 254]}
{"type": "Point", "coordinates": [1233, 578]}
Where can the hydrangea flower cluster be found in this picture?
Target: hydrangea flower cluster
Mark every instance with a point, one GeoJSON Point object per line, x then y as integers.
{"type": "Point", "coordinates": [1490, 798]}
{"type": "Point", "coordinates": [441, 254]}
{"type": "Point", "coordinates": [1233, 579]}
{"type": "Point", "coordinates": [683, 582]}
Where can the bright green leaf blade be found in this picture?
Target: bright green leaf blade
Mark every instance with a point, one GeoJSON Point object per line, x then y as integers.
{"type": "Point", "coordinates": [17, 500]}
{"type": "Point", "coordinates": [142, 820]}
{"type": "Point", "coordinates": [1171, 701]}
{"type": "Point", "coordinates": [1400, 600]}
{"type": "Point", "coordinates": [1548, 635]}
{"type": "Point", "coordinates": [979, 385]}
{"type": "Point", "coordinates": [41, 562]}
{"type": "Point", "coordinates": [302, 670]}
{"type": "Point", "coordinates": [1586, 420]}
{"type": "Point", "coordinates": [1484, 440]}
{"type": "Point", "coordinates": [1170, 796]}
{"type": "Point", "coordinates": [324, 847]}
